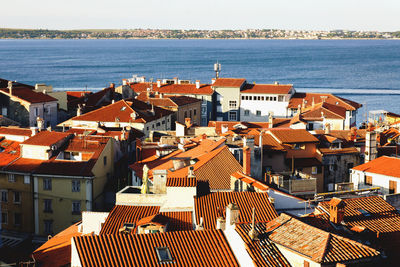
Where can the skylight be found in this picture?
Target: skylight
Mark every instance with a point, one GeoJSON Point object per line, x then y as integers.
{"type": "Point", "coordinates": [364, 212]}
{"type": "Point", "coordinates": [163, 254]}
{"type": "Point", "coordinates": [123, 108]}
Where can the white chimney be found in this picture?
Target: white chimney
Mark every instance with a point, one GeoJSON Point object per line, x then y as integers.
{"type": "Point", "coordinates": [160, 181]}
{"type": "Point", "coordinates": [79, 110]}
{"type": "Point", "coordinates": [10, 87]}
{"type": "Point", "coordinates": [124, 82]}
{"type": "Point", "coordinates": [197, 84]}
{"type": "Point", "coordinates": [370, 146]}
{"type": "Point", "coordinates": [232, 215]}
{"type": "Point", "coordinates": [34, 131]}
{"type": "Point", "coordinates": [175, 80]}
{"type": "Point", "coordinates": [158, 83]}
{"type": "Point", "coordinates": [221, 223]}
{"type": "Point", "coordinates": [276, 83]}
{"type": "Point", "coordinates": [213, 80]}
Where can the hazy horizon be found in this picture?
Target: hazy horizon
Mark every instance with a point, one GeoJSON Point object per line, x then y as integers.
{"type": "Point", "coordinates": [356, 15]}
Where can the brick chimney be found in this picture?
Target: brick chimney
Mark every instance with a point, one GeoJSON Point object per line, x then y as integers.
{"type": "Point", "coordinates": [246, 160]}
{"type": "Point", "coordinates": [336, 210]}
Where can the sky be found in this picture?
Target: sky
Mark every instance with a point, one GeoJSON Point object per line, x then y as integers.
{"type": "Point", "coordinates": [373, 15]}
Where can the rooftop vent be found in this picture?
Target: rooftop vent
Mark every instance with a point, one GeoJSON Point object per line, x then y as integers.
{"type": "Point", "coordinates": [163, 254]}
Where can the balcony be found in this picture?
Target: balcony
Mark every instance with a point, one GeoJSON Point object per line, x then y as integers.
{"type": "Point", "coordinates": [295, 186]}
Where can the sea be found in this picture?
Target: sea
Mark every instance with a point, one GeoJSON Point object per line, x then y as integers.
{"type": "Point", "coordinates": [366, 71]}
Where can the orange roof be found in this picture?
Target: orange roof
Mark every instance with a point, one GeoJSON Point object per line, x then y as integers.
{"type": "Point", "coordinates": [293, 135]}
{"type": "Point", "coordinates": [229, 82]}
{"type": "Point", "coordinates": [297, 99]}
{"type": "Point", "coordinates": [213, 205]}
{"type": "Point", "coordinates": [181, 182]}
{"type": "Point", "coordinates": [15, 131]}
{"type": "Point", "coordinates": [28, 95]}
{"type": "Point", "coordinates": [261, 250]}
{"type": "Point", "coordinates": [174, 89]}
{"type": "Point", "coordinates": [269, 143]}
{"type": "Point", "coordinates": [267, 89]}
{"type": "Point", "coordinates": [120, 214]}
{"type": "Point", "coordinates": [384, 165]}
{"type": "Point", "coordinates": [236, 125]}
{"type": "Point", "coordinates": [57, 250]}
{"type": "Point", "coordinates": [250, 181]}
{"type": "Point", "coordinates": [187, 248]}
{"type": "Point", "coordinates": [323, 110]}
{"type": "Point", "coordinates": [122, 111]}
{"type": "Point", "coordinates": [316, 244]}
{"type": "Point", "coordinates": [46, 138]}
{"type": "Point", "coordinates": [9, 151]}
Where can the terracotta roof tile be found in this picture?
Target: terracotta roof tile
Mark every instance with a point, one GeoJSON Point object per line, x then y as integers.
{"type": "Point", "coordinates": [384, 165]}
{"type": "Point", "coordinates": [267, 89]}
{"type": "Point", "coordinates": [181, 182]}
{"type": "Point", "coordinates": [15, 131]}
{"type": "Point", "coordinates": [46, 138]}
{"type": "Point", "coordinates": [314, 243]}
{"type": "Point", "coordinates": [174, 89]}
{"type": "Point", "coordinates": [269, 143]}
{"type": "Point", "coordinates": [9, 151]}
{"type": "Point", "coordinates": [57, 250]}
{"type": "Point", "coordinates": [229, 82]}
{"type": "Point", "coordinates": [293, 135]}
{"type": "Point", "coordinates": [297, 99]}
{"type": "Point", "coordinates": [250, 181]}
{"type": "Point", "coordinates": [262, 250]}
{"type": "Point", "coordinates": [28, 95]}
{"type": "Point", "coordinates": [187, 248]}
{"type": "Point", "coordinates": [213, 205]}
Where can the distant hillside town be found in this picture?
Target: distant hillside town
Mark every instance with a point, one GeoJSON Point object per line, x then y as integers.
{"type": "Point", "coordinates": [6, 33]}
{"type": "Point", "coordinates": [154, 172]}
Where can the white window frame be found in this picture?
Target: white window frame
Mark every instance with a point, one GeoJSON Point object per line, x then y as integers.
{"type": "Point", "coordinates": [76, 186]}
{"type": "Point", "coordinates": [27, 179]}
{"type": "Point", "coordinates": [19, 194]}
{"type": "Point", "coordinates": [11, 178]}
{"type": "Point", "coordinates": [234, 118]}
{"type": "Point", "coordinates": [314, 170]}
{"type": "Point", "coordinates": [47, 184]}
{"type": "Point", "coordinates": [232, 104]}
{"type": "Point", "coordinates": [4, 193]}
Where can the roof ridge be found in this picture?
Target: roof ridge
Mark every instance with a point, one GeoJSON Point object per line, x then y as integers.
{"type": "Point", "coordinates": [324, 249]}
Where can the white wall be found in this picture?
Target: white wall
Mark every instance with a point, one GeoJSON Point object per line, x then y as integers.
{"type": "Point", "coordinates": [294, 258]}
{"type": "Point", "coordinates": [91, 221]}
{"type": "Point", "coordinates": [180, 197]}
{"type": "Point", "coordinates": [75, 261]}
{"type": "Point", "coordinates": [286, 203]}
{"type": "Point", "coordinates": [238, 247]}
{"type": "Point", "coordinates": [279, 109]}
{"type": "Point", "coordinates": [378, 180]}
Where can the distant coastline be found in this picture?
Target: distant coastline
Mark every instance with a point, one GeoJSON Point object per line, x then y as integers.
{"type": "Point", "coordinates": [262, 34]}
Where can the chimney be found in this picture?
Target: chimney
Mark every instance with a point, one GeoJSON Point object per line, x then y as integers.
{"type": "Point", "coordinates": [221, 223]}
{"type": "Point", "coordinates": [213, 80]}
{"type": "Point", "coordinates": [112, 85]}
{"type": "Point", "coordinates": [34, 131]}
{"type": "Point", "coordinates": [246, 160]}
{"type": "Point", "coordinates": [124, 82]}
{"type": "Point", "coordinates": [370, 146]}
{"type": "Point", "coordinates": [40, 123]}
{"type": "Point", "coordinates": [276, 83]}
{"type": "Point", "coordinates": [197, 84]}
{"type": "Point", "coordinates": [78, 110]}
{"type": "Point", "coordinates": [204, 136]}
{"type": "Point", "coordinates": [327, 128]}
{"type": "Point", "coordinates": [336, 210]}
{"type": "Point", "coordinates": [160, 181]}
{"type": "Point", "coordinates": [10, 87]}
{"type": "Point", "coordinates": [200, 226]}
{"type": "Point", "coordinates": [161, 95]}
{"type": "Point", "coordinates": [191, 172]}
{"type": "Point", "coordinates": [158, 83]}
{"type": "Point", "coordinates": [253, 232]}
{"type": "Point", "coordinates": [175, 80]}
{"type": "Point", "coordinates": [271, 120]}
{"type": "Point", "coordinates": [313, 102]}
{"type": "Point", "coordinates": [232, 214]}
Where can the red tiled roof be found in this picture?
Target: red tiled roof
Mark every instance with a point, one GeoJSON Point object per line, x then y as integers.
{"type": "Point", "coordinates": [46, 138]}
{"type": "Point", "coordinates": [28, 95]}
{"type": "Point", "coordinates": [323, 110]}
{"type": "Point", "coordinates": [174, 89]}
{"type": "Point", "coordinates": [384, 165]}
{"type": "Point", "coordinates": [213, 205]}
{"type": "Point", "coordinates": [121, 111]}
{"type": "Point", "coordinates": [345, 150]}
{"type": "Point", "coordinates": [269, 143]}
{"type": "Point", "coordinates": [261, 250]}
{"type": "Point", "coordinates": [267, 89]}
{"type": "Point", "coordinates": [297, 99]}
{"type": "Point", "coordinates": [293, 135]}
{"type": "Point", "coordinates": [229, 82]}
{"type": "Point", "coordinates": [187, 248]}
{"type": "Point", "coordinates": [250, 181]}
{"type": "Point", "coordinates": [57, 250]}
{"type": "Point", "coordinates": [72, 95]}
{"type": "Point", "coordinates": [316, 244]}
{"type": "Point", "coordinates": [181, 182]}
{"type": "Point", "coordinates": [231, 125]}
{"type": "Point", "coordinates": [10, 153]}
{"type": "Point", "coordinates": [15, 131]}
{"type": "Point", "coordinates": [120, 214]}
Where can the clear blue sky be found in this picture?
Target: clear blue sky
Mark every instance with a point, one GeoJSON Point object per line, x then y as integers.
{"type": "Point", "coordinates": [381, 15]}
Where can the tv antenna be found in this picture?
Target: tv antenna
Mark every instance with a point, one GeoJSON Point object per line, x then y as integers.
{"type": "Point", "coordinates": [217, 69]}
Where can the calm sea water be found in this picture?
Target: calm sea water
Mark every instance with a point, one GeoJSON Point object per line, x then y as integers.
{"type": "Point", "coordinates": [367, 71]}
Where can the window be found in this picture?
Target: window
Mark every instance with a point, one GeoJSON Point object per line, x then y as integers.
{"type": "Point", "coordinates": [185, 114]}
{"type": "Point", "coordinates": [76, 186]}
{"type": "Point", "coordinates": [190, 113]}
{"type": "Point", "coordinates": [4, 217]}
{"type": "Point", "coordinates": [46, 184]}
{"type": "Point", "coordinates": [17, 197]}
{"type": "Point", "coordinates": [105, 159]}
{"type": "Point", "coordinates": [392, 187]}
{"type": "Point", "coordinates": [306, 264]}
{"type": "Point", "coordinates": [4, 196]}
{"type": "Point", "coordinates": [163, 254]}
{"type": "Point", "coordinates": [250, 97]}
{"type": "Point", "coordinates": [158, 124]}
{"type": "Point", "coordinates": [11, 178]}
{"type": "Point", "coordinates": [48, 227]}
{"type": "Point", "coordinates": [243, 97]}
{"type": "Point", "coordinates": [267, 98]}
{"type": "Point", "coordinates": [27, 179]}
{"type": "Point", "coordinates": [232, 116]}
{"type": "Point", "coordinates": [281, 98]}
{"type": "Point", "coordinates": [368, 180]}
{"type": "Point", "coordinates": [314, 170]}
{"type": "Point", "coordinates": [203, 110]}
{"type": "Point", "coordinates": [76, 207]}
{"type": "Point", "coordinates": [258, 113]}
{"type": "Point", "coordinates": [17, 219]}
{"type": "Point", "coordinates": [246, 112]}
{"type": "Point", "coordinates": [232, 104]}
{"type": "Point", "coordinates": [48, 206]}
{"type": "Point", "coordinates": [4, 111]}
{"type": "Point", "coordinates": [194, 112]}
{"type": "Point", "coordinates": [262, 98]}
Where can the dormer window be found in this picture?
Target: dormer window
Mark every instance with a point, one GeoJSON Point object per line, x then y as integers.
{"type": "Point", "coordinates": [163, 254]}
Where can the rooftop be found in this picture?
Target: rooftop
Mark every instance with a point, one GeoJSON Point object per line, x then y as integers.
{"type": "Point", "coordinates": [174, 89]}
{"type": "Point", "coordinates": [384, 165]}
{"type": "Point", "coordinates": [46, 138]}
{"type": "Point", "coordinates": [28, 95]}
{"type": "Point", "coordinates": [282, 89]}
{"type": "Point", "coordinates": [286, 135]}
{"type": "Point", "coordinates": [306, 100]}
{"type": "Point", "coordinates": [229, 82]}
